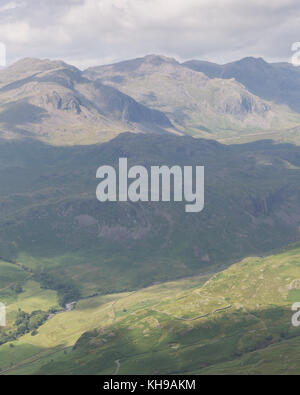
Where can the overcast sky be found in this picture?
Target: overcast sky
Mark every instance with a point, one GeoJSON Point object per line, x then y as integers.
{"type": "Point", "coordinates": [91, 32]}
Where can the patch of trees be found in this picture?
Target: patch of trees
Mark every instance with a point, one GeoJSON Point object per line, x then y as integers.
{"type": "Point", "coordinates": [66, 289]}
{"type": "Point", "coordinates": [24, 323]}
{"type": "Point", "coordinates": [7, 337]}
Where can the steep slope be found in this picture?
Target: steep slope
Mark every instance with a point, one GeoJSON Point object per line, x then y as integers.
{"type": "Point", "coordinates": [235, 322]}
{"type": "Point", "coordinates": [196, 103]}
{"type": "Point", "coordinates": [53, 102]}
{"type": "Point", "coordinates": [51, 221]}
{"type": "Point", "coordinates": [277, 82]}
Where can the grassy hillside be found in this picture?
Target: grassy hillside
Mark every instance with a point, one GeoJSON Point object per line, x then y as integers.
{"type": "Point", "coordinates": [27, 304]}
{"type": "Point", "coordinates": [52, 223]}
{"type": "Point", "coordinates": [236, 321]}
{"type": "Point", "coordinates": [123, 263]}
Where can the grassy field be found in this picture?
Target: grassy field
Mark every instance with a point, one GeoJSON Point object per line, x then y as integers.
{"type": "Point", "coordinates": [236, 321]}
{"type": "Point", "coordinates": [22, 293]}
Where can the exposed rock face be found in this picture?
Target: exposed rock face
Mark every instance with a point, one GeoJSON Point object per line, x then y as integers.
{"type": "Point", "coordinates": [57, 103]}
{"type": "Point", "coordinates": [277, 82]}
{"type": "Point", "coordinates": [54, 101]}
{"type": "Point", "coordinates": [193, 100]}
{"type": "Point", "coordinates": [243, 104]}
{"type": "Point", "coordinates": [63, 107]}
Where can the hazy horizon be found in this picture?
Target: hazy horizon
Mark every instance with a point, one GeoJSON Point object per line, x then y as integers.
{"type": "Point", "coordinates": [141, 57]}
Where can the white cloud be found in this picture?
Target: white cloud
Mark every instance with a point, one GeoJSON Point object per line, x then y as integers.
{"type": "Point", "coordinates": [8, 6]}
{"type": "Point", "coordinates": [95, 31]}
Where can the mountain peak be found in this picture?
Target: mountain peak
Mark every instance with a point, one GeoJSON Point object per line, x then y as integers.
{"type": "Point", "coordinates": [31, 67]}
{"type": "Point", "coordinates": [159, 59]}
{"type": "Point", "coordinates": [252, 61]}
{"type": "Point", "coordinates": [276, 82]}
{"type": "Point", "coordinates": [132, 65]}
{"type": "Point", "coordinates": [34, 65]}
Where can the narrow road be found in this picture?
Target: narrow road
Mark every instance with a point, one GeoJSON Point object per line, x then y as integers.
{"type": "Point", "coordinates": [195, 318]}
{"type": "Point", "coordinates": [117, 362]}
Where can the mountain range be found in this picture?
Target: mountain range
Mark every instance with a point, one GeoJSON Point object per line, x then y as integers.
{"type": "Point", "coordinates": [54, 102]}
{"type": "Point", "coordinates": [276, 82]}
{"type": "Point", "coordinates": [239, 102]}
{"type": "Point", "coordinates": [202, 102]}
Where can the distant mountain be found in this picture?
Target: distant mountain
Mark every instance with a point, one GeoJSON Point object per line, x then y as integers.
{"type": "Point", "coordinates": [196, 102]}
{"type": "Point", "coordinates": [59, 104]}
{"type": "Point", "coordinates": [52, 101]}
{"type": "Point", "coordinates": [277, 82]}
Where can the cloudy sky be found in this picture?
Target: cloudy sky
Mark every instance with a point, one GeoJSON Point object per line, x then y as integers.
{"type": "Point", "coordinates": [91, 32]}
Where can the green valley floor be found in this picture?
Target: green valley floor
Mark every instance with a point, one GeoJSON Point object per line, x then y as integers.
{"type": "Point", "coordinates": [237, 321]}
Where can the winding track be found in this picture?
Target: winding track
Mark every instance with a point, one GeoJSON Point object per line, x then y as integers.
{"type": "Point", "coordinates": [118, 363]}
{"type": "Point", "coordinates": [195, 318]}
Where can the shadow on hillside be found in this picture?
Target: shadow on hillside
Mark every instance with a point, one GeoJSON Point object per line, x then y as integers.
{"type": "Point", "coordinates": [173, 347]}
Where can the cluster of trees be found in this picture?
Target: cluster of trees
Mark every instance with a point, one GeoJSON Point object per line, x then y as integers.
{"type": "Point", "coordinates": [24, 323]}
{"type": "Point", "coordinates": [67, 291]}
{"type": "Point", "coordinates": [30, 322]}
{"type": "Point", "coordinates": [7, 337]}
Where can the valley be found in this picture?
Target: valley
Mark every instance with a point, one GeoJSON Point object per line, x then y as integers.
{"type": "Point", "coordinates": [125, 287]}
{"type": "Point", "coordinates": [245, 320]}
